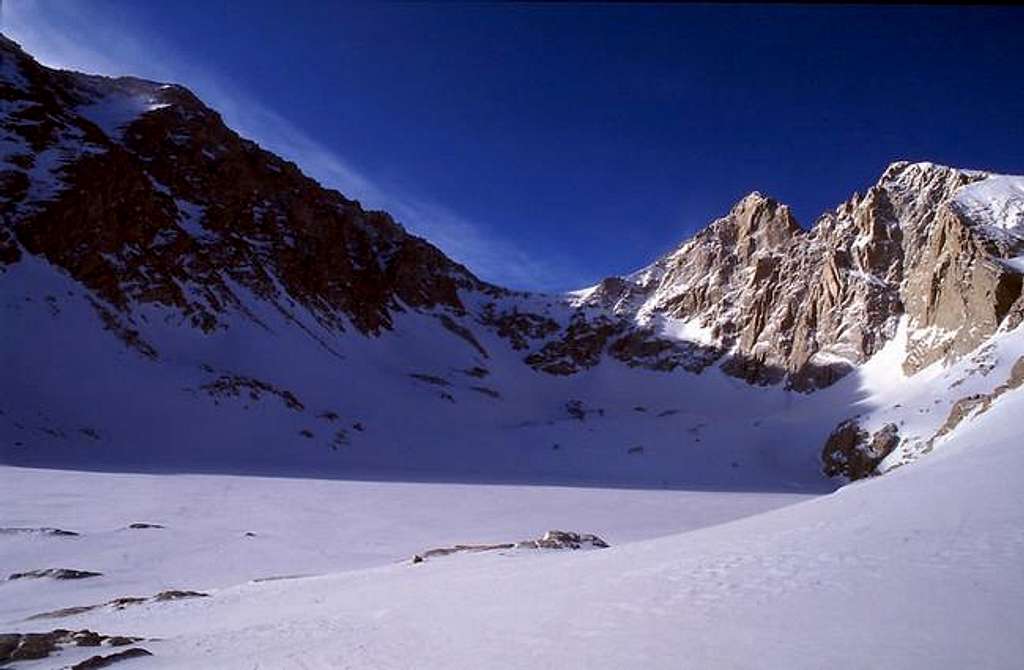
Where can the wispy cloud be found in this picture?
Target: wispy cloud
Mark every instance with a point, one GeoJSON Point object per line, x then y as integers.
{"type": "Point", "coordinates": [69, 35]}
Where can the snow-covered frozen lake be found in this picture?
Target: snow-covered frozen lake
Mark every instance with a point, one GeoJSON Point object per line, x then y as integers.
{"type": "Point", "coordinates": [920, 568]}
{"type": "Point", "coordinates": [298, 526]}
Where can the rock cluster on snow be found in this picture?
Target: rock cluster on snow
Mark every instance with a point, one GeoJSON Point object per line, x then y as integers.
{"type": "Point", "coordinates": [121, 603]}
{"type": "Point", "coordinates": [54, 573]}
{"type": "Point", "coordinates": [977, 404]}
{"type": "Point", "coordinates": [855, 453]}
{"type": "Point", "coordinates": [34, 646]}
{"type": "Point", "coordinates": [553, 539]}
{"type": "Point", "coordinates": [55, 532]}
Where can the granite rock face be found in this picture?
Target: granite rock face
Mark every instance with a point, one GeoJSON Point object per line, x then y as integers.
{"type": "Point", "coordinates": [782, 304]}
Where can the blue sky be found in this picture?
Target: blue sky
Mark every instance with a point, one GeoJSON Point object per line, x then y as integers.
{"type": "Point", "coordinates": [549, 146]}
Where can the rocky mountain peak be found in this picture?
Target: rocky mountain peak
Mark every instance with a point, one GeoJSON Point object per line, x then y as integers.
{"type": "Point", "coordinates": [139, 192]}
{"type": "Point", "coordinates": [782, 303]}
{"type": "Point", "coordinates": [10, 47]}
{"type": "Point", "coordinates": [759, 222]}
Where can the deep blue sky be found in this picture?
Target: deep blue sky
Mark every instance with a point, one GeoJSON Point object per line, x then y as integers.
{"type": "Point", "coordinates": [571, 142]}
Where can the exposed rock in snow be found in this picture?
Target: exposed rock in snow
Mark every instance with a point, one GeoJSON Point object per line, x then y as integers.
{"type": "Point", "coordinates": [553, 539]}
{"type": "Point", "coordinates": [33, 646]}
{"type": "Point", "coordinates": [979, 403]}
{"type": "Point", "coordinates": [57, 532]}
{"type": "Point", "coordinates": [55, 573]}
{"type": "Point", "coordinates": [103, 661]}
{"type": "Point", "coordinates": [854, 453]}
{"type": "Point", "coordinates": [561, 539]}
{"type": "Point", "coordinates": [233, 386]}
{"type": "Point", "coordinates": [120, 603]}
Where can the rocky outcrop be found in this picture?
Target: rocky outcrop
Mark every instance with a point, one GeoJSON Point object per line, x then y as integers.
{"type": "Point", "coordinates": [561, 539]}
{"type": "Point", "coordinates": [807, 307]}
{"type": "Point", "coordinates": [958, 291]}
{"type": "Point", "coordinates": [107, 660]}
{"type": "Point", "coordinates": [553, 539]}
{"type": "Point", "coordinates": [975, 405]}
{"type": "Point", "coordinates": [788, 304]}
{"type": "Point", "coordinates": [580, 346]}
{"type": "Point", "coordinates": [234, 386]}
{"type": "Point", "coordinates": [141, 193]}
{"type": "Point", "coordinates": [644, 348]}
{"type": "Point", "coordinates": [34, 646]}
{"type": "Point", "coordinates": [55, 573]}
{"type": "Point", "coordinates": [854, 453]}
{"type": "Point", "coordinates": [120, 603]}
{"type": "Point", "coordinates": [523, 329]}
{"type": "Point", "coordinates": [54, 532]}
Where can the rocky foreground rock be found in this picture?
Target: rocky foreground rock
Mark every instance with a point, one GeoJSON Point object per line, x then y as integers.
{"type": "Point", "coordinates": [855, 453]}
{"type": "Point", "coordinates": [34, 646]}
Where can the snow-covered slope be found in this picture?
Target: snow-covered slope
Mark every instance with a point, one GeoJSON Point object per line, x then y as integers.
{"type": "Point", "coordinates": [296, 526]}
{"type": "Point", "coordinates": [917, 569]}
{"type": "Point", "coordinates": [242, 400]}
{"type": "Point", "coordinates": [998, 199]}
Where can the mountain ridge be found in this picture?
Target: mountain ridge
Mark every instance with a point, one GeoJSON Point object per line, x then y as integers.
{"type": "Point", "coordinates": [865, 243]}
{"type": "Point", "coordinates": [183, 239]}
